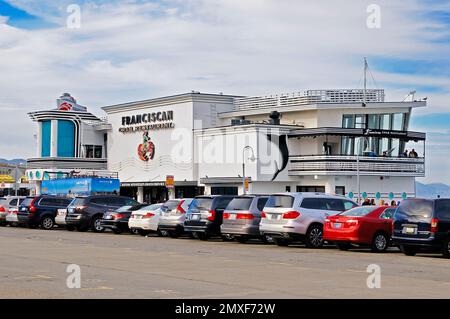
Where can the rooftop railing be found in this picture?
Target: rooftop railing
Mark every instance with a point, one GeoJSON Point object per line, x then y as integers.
{"type": "Point", "coordinates": [310, 97]}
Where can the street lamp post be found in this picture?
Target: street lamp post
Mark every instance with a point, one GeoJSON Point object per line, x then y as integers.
{"type": "Point", "coordinates": [358, 179]}
{"type": "Point", "coordinates": [252, 158]}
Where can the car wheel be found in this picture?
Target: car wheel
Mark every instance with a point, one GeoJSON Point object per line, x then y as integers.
{"type": "Point", "coordinates": [70, 228]}
{"type": "Point", "coordinates": [162, 233]}
{"type": "Point", "coordinates": [314, 236]}
{"type": "Point", "coordinates": [266, 239]}
{"type": "Point", "coordinates": [192, 235]}
{"type": "Point", "coordinates": [143, 232]}
{"type": "Point", "coordinates": [134, 231]}
{"type": "Point", "coordinates": [173, 233]}
{"type": "Point", "coordinates": [282, 242]}
{"type": "Point", "coordinates": [242, 239]}
{"type": "Point", "coordinates": [117, 231]}
{"type": "Point", "coordinates": [47, 223]}
{"type": "Point", "coordinates": [380, 243]}
{"type": "Point", "coordinates": [3, 224]}
{"type": "Point", "coordinates": [96, 226]}
{"type": "Point", "coordinates": [227, 237]}
{"type": "Point", "coordinates": [343, 246]}
{"type": "Point", "coordinates": [409, 250]}
{"type": "Point", "coordinates": [446, 250]}
{"type": "Point", "coordinates": [202, 236]}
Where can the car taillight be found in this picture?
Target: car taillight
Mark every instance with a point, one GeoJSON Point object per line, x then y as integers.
{"type": "Point", "coordinates": [434, 225]}
{"type": "Point", "coordinates": [32, 209]}
{"type": "Point", "coordinates": [291, 215]}
{"type": "Point", "coordinates": [2, 209]}
{"type": "Point", "coordinates": [79, 208]}
{"type": "Point", "coordinates": [118, 216]}
{"type": "Point", "coordinates": [245, 216]}
{"type": "Point", "coordinates": [226, 215]}
{"type": "Point", "coordinates": [148, 215]}
{"type": "Point", "coordinates": [263, 215]}
{"type": "Point", "coordinates": [352, 222]}
{"type": "Point", "coordinates": [211, 215]}
{"type": "Point", "coordinates": [180, 209]}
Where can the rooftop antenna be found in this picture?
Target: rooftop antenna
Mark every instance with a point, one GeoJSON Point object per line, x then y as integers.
{"type": "Point", "coordinates": [365, 82]}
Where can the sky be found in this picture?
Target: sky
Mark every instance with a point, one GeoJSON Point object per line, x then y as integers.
{"type": "Point", "coordinates": [133, 50]}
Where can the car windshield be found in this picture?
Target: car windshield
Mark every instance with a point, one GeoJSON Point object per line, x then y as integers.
{"type": "Point", "coordinates": [151, 207]}
{"type": "Point", "coordinates": [359, 211]}
{"type": "Point", "coordinates": [171, 204]}
{"type": "Point", "coordinates": [240, 203]}
{"type": "Point", "coordinates": [416, 209]}
{"type": "Point", "coordinates": [201, 203]}
{"type": "Point", "coordinates": [280, 201]}
{"type": "Point", "coordinates": [27, 201]}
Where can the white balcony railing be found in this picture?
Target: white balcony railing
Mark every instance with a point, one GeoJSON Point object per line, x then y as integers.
{"type": "Point", "coordinates": [347, 165]}
{"type": "Point", "coordinates": [309, 97]}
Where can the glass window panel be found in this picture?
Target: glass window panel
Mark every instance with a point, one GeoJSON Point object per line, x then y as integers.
{"type": "Point", "coordinates": [347, 145]}
{"type": "Point", "coordinates": [396, 147]}
{"type": "Point", "coordinates": [385, 121]}
{"type": "Point", "coordinates": [374, 121]}
{"type": "Point", "coordinates": [360, 121]}
{"type": "Point", "coordinates": [348, 121]}
{"type": "Point", "coordinates": [384, 145]}
{"type": "Point", "coordinates": [398, 123]}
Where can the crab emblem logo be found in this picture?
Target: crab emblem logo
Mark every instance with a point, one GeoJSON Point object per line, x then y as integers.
{"type": "Point", "coordinates": [146, 150]}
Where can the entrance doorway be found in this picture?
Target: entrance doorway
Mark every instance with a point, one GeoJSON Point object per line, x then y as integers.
{"type": "Point", "coordinates": [311, 189]}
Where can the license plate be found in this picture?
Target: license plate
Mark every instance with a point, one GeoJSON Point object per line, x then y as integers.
{"type": "Point", "coordinates": [195, 217]}
{"type": "Point", "coordinates": [337, 225]}
{"type": "Point", "coordinates": [409, 230]}
{"type": "Point", "coordinates": [232, 216]}
{"type": "Point", "coordinates": [108, 217]}
{"type": "Point", "coordinates": [23, 209]}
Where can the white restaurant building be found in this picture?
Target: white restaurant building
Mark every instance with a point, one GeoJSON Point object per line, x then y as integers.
{"type": "Point", "coordinates": [318, 140]}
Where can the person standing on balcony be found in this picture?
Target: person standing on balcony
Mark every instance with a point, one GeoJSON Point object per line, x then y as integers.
{"type": "Point", "coordinates": [413, 154]}
{"type": "Point", "coordinates": [404, 154]}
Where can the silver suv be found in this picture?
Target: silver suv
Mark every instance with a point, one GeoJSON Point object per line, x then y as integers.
{"type": "Point", "coordinates": [242, 216]}
{"type": "Point", "coordinates": [291, 217]}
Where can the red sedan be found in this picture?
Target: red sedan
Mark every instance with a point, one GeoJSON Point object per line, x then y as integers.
{"type": "Point", "coordinates": [364, 226]}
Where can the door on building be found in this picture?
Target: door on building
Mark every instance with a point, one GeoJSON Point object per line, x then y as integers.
{"type": "Point", "coordinates": [339, 190]}
{"type": "Point", "coordinates": [311, 189]}
{"type": "Point", "coordinates": [188, 191]}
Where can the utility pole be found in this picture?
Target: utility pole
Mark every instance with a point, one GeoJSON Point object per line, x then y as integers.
{"type": "Point", "coordinates": [365, 82]}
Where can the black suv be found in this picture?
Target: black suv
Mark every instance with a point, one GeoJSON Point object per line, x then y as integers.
{"type": "Point", "coordinates": [85, 213]}
{"type": "Point", "coordinates": [205, 215]}
{"type": "Point", "coordinates": [422, 224]}
{"type": "Point", "coordinates": [40, 210]}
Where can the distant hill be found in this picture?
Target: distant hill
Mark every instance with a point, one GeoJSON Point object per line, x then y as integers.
{"type": "Point", "coordinates": [13, 161]}
{"type": "Point", "coordinates": [432, 190]}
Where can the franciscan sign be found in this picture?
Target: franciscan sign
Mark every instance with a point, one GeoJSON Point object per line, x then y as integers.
{"type": "Point", "coordinates": [150, 121]}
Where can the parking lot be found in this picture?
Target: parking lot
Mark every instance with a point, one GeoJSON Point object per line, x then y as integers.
{"type": "Point", "coordinates": [34, 263]}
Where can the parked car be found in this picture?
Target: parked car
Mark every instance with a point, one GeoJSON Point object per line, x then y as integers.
{"type": "Point", "coordinates": [242, 216]}
{"type": "Point", "coordinates": [60, 219]}
{"type": "Point", "coordinates": [11, 217]}
{"type": "Point", "coordinates": [145, 220]}
{"type": "Point", "coordinates": [365, 226]}
{"type": "Point", "coordinates": [173, 213]}
{"type": "Point", "coordinates": [422, 225]}
{"type": "Point", "coordinates": [40, 210]}
{"type": "Point", "coordinates": [86, 212]}
{"type": "Point", "coordinates": [291, 217]}
{"type": "Point", "coordinates": [117, 220]}
{"type": "Point", "coordinates": [6, 203]}
{"type": "Point", "coordinates": [204, 217]}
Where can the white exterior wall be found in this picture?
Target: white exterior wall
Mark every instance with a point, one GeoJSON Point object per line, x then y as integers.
{"type": "Point", "coordinates": [173, 147]}
{"type": "Point", "coordinates": [90, 136]}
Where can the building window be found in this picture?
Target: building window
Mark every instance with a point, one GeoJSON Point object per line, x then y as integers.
{"type": "Point", "coordinates": [66, 139]}
{"type": "Point", "coordinates": [348, 121]}
{"type": "Point", "coordinates": [311, 189]}
{"type": "Point", "coordinates": [398, 123]}
{"type": "Point", "coordinates": [385, 121]}
{"type": "Point", "coordinates": [360, 121]}
{"type": "Point", "coordinates": [224, 190]}
{"type": "Point", "coordinates": [347, 145]}
{"type": "Point", "coordinates": [374, 121]}
{"type": "Point", "coordinates": [45, 138]}
{"type": "Point", "coordinates": [93, 151]}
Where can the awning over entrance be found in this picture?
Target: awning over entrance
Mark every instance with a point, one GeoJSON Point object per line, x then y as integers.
{"type": "Point", "coordinates": [355, 132]}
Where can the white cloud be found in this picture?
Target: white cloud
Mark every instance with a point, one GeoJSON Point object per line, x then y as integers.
{"type": "Point", "coordinates": [131, 50]}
